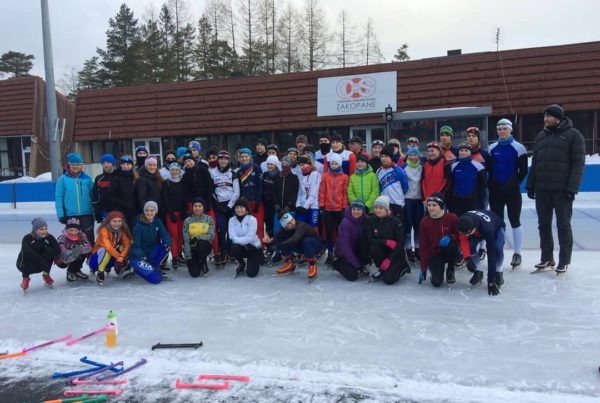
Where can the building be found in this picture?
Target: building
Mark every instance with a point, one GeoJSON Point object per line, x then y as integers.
{"type": "Point", "coordinates": [516, 84]}
{"type": "Point", "coordinates": [23, 144]}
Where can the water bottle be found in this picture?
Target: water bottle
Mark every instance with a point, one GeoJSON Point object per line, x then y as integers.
{"type": "Point", "coordinates": [111, 336]}
{"type": "Point", "coordinates": [112, 320]}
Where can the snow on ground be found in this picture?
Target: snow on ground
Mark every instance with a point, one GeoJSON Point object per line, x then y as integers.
{"type": "Point", "coordinates": [329, 341]}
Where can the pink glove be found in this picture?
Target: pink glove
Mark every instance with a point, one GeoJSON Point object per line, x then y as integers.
{"type": "Point", "coordinates": [390, 243]}
{"type": "Point", "coordinates": [385, 264]}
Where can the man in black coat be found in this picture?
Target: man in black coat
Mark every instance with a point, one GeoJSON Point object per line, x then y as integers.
{"type": "Point", "coordinates": [554, 179]}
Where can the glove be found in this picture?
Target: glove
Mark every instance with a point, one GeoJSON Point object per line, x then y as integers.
{"type": "Point", "coordinates": [445, 241]}
{"type": "Point", "coordinates": [173, 217]}
{"type": "Point", "coordinates": [471, 266]}
{"type": "Point", "coordinates": [493, 289]}
{"type": "Point", "coordinates": [531, 194]}
{"type": "Point", "coordinates": [422, 276]}
{"type": "Point", "coordinates": [385, 264]}
{"type": "Point", "coordinates": [256, 207]}
{"type": "Point", "coordinates": [98, 218]}
{"type": "Point", "coordinates": [390, 243]}
{"type": "Point", "coordinates": [570, 196]}
{"type": "Point", "coordinates": [63, 220]}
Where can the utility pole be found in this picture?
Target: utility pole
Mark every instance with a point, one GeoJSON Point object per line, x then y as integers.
{"type": "Point", "coordinates": [52, 136]}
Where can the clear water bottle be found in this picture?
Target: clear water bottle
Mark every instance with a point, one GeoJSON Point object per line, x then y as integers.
{"type": "Point", "coordinates": [112, 320]}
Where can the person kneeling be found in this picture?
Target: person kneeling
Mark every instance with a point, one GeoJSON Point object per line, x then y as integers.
{"type": "Point", "coordinates": [296, 236]}
{"type": "Point", "coordinates": [74, 249]}
{"type": "Point", "coordinates": [245, 243]}
{"type": "Point", "coordinates": [38, 251]}
{"type": "Point", "coordinates": [111, 247]}
{"type": "Point", "coordinates": [198, 234]}
{"type": "Point", "coordinates": [151, 243]}
{"type": "Point", "coordinates": [438, 242]}
{"type": "Point", "coordinates": [351, 249]}
{"type": "Point", "coordinates": [385, 235]}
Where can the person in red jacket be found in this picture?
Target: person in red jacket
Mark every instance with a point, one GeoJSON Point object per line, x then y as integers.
{"type": "Point", "coordinates": [436, 172]}
{"type": "Point", "coordinates": [438, 241]}
{"type": "Point", "coordinates": [333, 199]}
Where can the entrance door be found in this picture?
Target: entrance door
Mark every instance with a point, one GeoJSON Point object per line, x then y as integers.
{"type": "Point", "coordinates": [368, 134]}
{"type": "Point", "coordinates": [153, 145]}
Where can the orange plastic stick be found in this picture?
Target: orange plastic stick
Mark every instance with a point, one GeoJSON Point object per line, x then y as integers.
{"type": "Point", "coordinates": [20, 353]}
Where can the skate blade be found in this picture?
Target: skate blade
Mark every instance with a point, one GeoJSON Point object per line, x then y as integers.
{"type": "Point", "coordinates": [542, 270]}
{"type": "Point", "coordinates": [289, 273]}
{"type": "Point", "coordinates": [50, 286]}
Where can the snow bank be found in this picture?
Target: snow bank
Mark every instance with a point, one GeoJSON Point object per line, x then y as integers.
{"type": "Point", "coordinates": [45, 177]}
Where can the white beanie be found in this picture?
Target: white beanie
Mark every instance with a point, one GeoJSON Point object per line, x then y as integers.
{"type": "Point", "coordinates": [271, 159]}
{"type": "Point", "coordinates": [382, 201]}
{"type": "Point", "coordinates": [334, 157]}
{"type": "Point", "coordinates": [285, 219]}
{"type": "Point", "coordinates": [151, 204]}
{"type": "Point", "coordinates": [504, 122]}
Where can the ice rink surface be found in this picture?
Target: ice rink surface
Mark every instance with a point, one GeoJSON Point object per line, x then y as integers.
{"type": "Point", "coordinates": [331, 341]}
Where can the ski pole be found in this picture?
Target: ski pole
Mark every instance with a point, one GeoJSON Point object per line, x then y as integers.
{"type": "Point", "coordinates": [178, 345]}
{"type": "Point", "coordinates": [12, 355]}
{"type": "Point", "coordinates": [67, 337]}
{"type": "Point", "coordinates": [70, 343]}
{"type": "Point", "coordinates": [181, 385]}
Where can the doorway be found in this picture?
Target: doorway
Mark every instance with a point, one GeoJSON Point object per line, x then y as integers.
{"type": "Point", "coordinates": [368, 134]}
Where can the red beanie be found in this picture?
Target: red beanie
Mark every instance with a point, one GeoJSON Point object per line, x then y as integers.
{"type": "Point", "coordinates": [114, 214]}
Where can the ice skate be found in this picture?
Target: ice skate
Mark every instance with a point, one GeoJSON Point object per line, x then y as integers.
{"type": "Point", "coordinates": [287, 268]}
{"type": "Point", "coordinates": [25, 284]}
{"type": "Point", "coordinates": [516, 261]}
{"type": "Point", "coordinates": [481, 254]}
{"type": "Point", "coordinates": [544, 266]}
{"type": "Point", "coordinates": [48, 280]}
{"type": "Point", "coordinates": [312, 271]}
{"type": "Point", "coordinates": [561, 269]}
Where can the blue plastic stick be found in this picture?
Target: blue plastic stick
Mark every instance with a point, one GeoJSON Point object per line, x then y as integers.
{"type": "Point", "coordinates": [99, 364]}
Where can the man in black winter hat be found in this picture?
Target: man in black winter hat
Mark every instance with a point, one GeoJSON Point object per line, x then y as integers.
{"type": "Point", "coordinates": [554, 178]}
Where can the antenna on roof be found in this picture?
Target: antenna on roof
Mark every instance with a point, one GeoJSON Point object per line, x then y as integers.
{"type": "Point", "coordinates": [497, 39]}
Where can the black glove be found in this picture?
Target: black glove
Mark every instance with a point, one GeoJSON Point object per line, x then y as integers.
{"type": "Point", "coordinates": [63, 220]}
{"type": "Point", "coordinates": [531, 194]}
{"type": "Point", "coordinates": [173, 217]}
{"type": "Point", "coordinates": [98, 217]}
{"type": "Point", "coordinates": [570, 196]}
{"type": "Point", "coordinates": [471, 266]}
{"type": "Point", "coordinates": [493, 289]}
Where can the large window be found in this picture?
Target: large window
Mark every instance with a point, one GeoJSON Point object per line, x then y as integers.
{"type": "Point", "coordinates": [97, 149]}
{"type": "Point", "coordinates": [11, 157]}
{"type": "Point", "coordinates": [424, 130]}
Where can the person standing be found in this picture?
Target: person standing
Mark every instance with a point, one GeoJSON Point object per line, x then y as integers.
{"type": "Point", "coordinates": [450, 152]}
{"type": "Point", "coordinates": [507, 168]}
{"type": "Point", "coordinates": [392, 182]}
{"type": "Point", "coordinates": [364, 184]}
{"type": "Point", "coordinates": [101, 198]}
{"type": "Point", "coordinates": [413, 203]}
{"type": "Point", "coordinates": [261, 151]}
{"type": "Point", "coordinates": [375, 160]}
{"type": "Point", "coordinates": [554, 178]}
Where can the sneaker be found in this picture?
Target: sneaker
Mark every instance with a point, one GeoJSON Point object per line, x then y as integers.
{"type": "Point", "coordinates": [477, 277]}
{"type": "Point", "coordinates": [450, 279]}
{"type": "Point", "coordinates": [81, 275]}
{"type": "Point", "coordinates": [516, 260]}
{"type": "Point", "coordinates": [71, 277]}
{"type": "Point", "coordinates": [562, 268]}
{"type": "Point", "coordinates": [410, 256]}
{"type": "Point", "coordinates": [289, 266]}
{"type": "Point", "coordinates": [25, 283]}
{"type": "Point", "coordinates": [312, 270]}
{"type": "Point", "coordinates": [545, 265]}
{"type": "Point", "coordinates": [47, 279]}
{"type": "Point", "coordinates": [499, 278]}
{"type": "Point", "coordinates": [100, 277]}
{"type": "Point", "coordinates": [481, 253]}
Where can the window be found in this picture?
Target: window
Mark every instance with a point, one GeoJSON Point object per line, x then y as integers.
{"type": "Point", "coordinates": [11, 157]}
{"type": "Point", "coordinates": [285, 140]}
{"type": "Point", "coordinates": [424, 130]}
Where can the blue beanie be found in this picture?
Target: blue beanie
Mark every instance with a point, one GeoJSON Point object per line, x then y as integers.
{"type": "Point", "coordinates": [141, 148]}
{"type": "Point", "coordinates": [358, 204]}
{"type": "Point", "coordinates": [74, 158]}
{"type": "Point", "coordinates": [246, 150]}
{"type": "Point", "coordinates": [195, 145]}
{"type": "Point", "coordinates": [108, 158]}
{"type": "Point", "coordinates": [181, 151]}
{"type": "Point", "coordinates": [413, 150]}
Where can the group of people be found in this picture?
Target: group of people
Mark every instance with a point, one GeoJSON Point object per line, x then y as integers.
{"type": "Point", "coordinates": [373, 214]}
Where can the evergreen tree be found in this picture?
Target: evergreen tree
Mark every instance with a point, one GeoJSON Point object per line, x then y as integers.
{"type": "Point", "coordinates": [168, 61]}
{"type": "Point", "coordinates": [152, 69]}
{"type": "Point", "coordinates": [402, 53]}
{"type": "Point", "coordinates": [90, 76]}
{"type": "Point", "coordinates": [202, 49]}
{"type": "Point", "coordinates": [121, 59]}
{"type": "Point", "coordinates": [16, 63]}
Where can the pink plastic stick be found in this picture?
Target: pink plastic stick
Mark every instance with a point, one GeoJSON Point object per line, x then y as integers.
{"type": "Point", "coordinates": [74, 392]}
{"type": "Point", "coordinates": [70, 343]}
{"type": "Point", "coordinates": [240, 378]}
{"type": "Point", "coordinates": [67, 337]}
{"type": "Point", "coordinates": [180, 385]}
{"type": "Point", "coordinates": [111, 382]}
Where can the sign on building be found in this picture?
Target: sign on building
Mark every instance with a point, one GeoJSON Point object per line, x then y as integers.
{"type": "Point", "coordinates": [353, 95]}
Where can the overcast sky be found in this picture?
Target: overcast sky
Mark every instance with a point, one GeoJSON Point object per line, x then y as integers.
{"type": "Point", "coordinates": [430, 27]}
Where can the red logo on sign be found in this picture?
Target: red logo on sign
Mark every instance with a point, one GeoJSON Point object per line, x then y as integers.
{"type": "Point", "coordinates": [354, 88]}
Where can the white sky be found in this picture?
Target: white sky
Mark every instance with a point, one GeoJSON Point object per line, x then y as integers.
{"type": "Point", "coordinates": [430, 27]}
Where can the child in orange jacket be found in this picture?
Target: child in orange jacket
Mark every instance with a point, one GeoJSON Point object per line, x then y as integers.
{"type": "Point", "coordinates": [333, 199]}
{"type": "Point", "coordinates": [111, 247]}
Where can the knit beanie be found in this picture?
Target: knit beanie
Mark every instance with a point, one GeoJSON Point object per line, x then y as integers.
{"type": "Point", "coordinates": [114, 214]}
{"type": "Point", "coordinates": [466, 145]}
{"type": "Point", "coordinates": [38, 223]}
{"type": "Point", "coordinates": [555, 110]}
{"type": "Point", "coordinates": [151, 204]}
{"type": "Point", "coordinates": [285, 219]}
{"type": "Point", "coordinates": [287, 160]}
{"type": "Point", "coordinates": [241, 201]}
{"type": "Point", "coordinates": [108, 158]}
{"type": "Point", "coordinates": [504, 123]}
{"type": "Point", "coordinates": [337, 137]}
{"type": "Point", "coordinates": [195, 145]}
{"type": "Point", "coordinates": [382, 201]}
{"type": "Point", "coordinates": [362, 157]}
{"type": "Point", "coordinates": [150, 160]}
{"type": "Point", "coordinates": [474, 130]}
{"type": "Point", "coordinates": [198, 200]}
{"type": "Point", "coordinates": [446, 130]}
{"type": "Point", "coordinates": [141, 148]}
{"type": "Point", "coordinates": [174, 165]}
{"type": "Point", "coordinates": [388, 150]}
{"type": "Point", "coordinates": [74, 158]}
{"type": "Point", "coordinates": [302, 139]}
{"type": "Point", "coordinates": [273, 147]}
{"type": "Point", "coordinates": [181, 151]}
{"type": "Point", "coordinates": [271, 159]}
{"type": "Point", "coordinates": [73, 223]}
{"type": "Point", "coordinates": [262, 141]}
{"type": "Point", "coordinates": [437, 146]}
{"type": "Point", "coordinates": [466, 224]}
{"type": "Point", "coordinates": [246, 150]}
{"type": "Point", "coordinates": [412, 150]}
{"type": "Point", "coordinates": [358, 204]}
{"type": "Point", "coordinates": [334, 157]}
{"type": "Point", "coordinates": [126, 159]}
{"type": "Point", "coordinates": [437, 198]}
{"type": "Point", "coordinates": [187, 156]}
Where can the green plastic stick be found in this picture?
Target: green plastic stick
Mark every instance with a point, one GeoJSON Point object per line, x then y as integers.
{"type": "Point", "coordinates": [96, 399]}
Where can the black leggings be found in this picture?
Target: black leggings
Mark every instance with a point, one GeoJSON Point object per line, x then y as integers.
{"type": "Point", "coordinates": [439, 261]}
{"type": "Point", "coordinates": [397, 266]}
{"type": "Point", "coordinates": [222, 228]}
{"type": "Point", "coordinates": [512, 200]}
{"type": "Point", "coordinates": [253, 254]}
{"type": "Point", "coordinates": [200, 252]}
{"type": "Point", "coordinates": [460, 205]}
{"type": "Point", "coordinates": [269, 217]}
{"type": "Point", "coordinates": [350, 272]}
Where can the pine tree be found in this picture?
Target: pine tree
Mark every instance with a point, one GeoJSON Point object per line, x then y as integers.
{"type": "Point", "coordinates": [152, 70]}
{"type": "Point", "coordinates": [16, 63]}
{"type": "Point", "coordinates": [402, 53]}
{"type": "Point", "coordinates": [202, 49]}
{"type": "Point", "coordinates": [90, 76]}
{"type": "Point", "coordinates": [168, 61]}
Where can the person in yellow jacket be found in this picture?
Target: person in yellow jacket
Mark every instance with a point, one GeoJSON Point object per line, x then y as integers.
{"type": "Point", "coordinates": [364, 184]}
{"type": "Point", "coordinates": [111, 247]}
{"type": "Point", "coordinates": [198, 233]}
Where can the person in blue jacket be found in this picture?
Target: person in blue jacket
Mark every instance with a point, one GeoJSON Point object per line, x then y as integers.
{"type": "Point", "coordinates": [151, 245]}
{"type": "Point", "coordinates": [73, 196]}
{"type": "Point", "coordinates": [469, 182]}
{"type": "Point", "coordinates": [473, 227]}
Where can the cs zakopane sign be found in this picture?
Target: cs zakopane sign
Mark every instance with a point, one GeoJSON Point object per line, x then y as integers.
{"type": "Point", "coordinates": [351, 95]}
